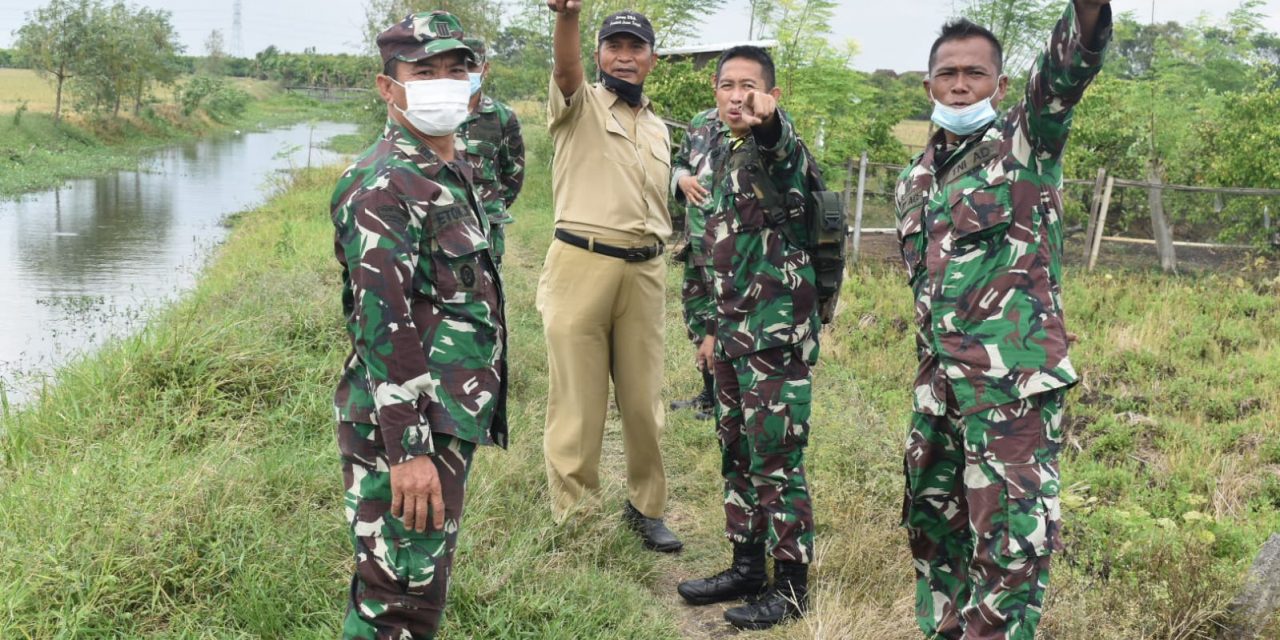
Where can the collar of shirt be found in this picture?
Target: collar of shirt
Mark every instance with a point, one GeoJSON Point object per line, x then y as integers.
{"type": "Point", "coordinates": [486, 105]}
{"type": "Point", "coordinates": [944, 153]}
{"type": "Point", "coordinates": [721, 126]}
{"type": "Point", "coordinates": [414, 150]}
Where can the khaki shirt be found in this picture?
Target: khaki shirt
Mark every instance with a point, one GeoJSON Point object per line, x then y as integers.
{"type": "Point", "coordinates": [612, 165]}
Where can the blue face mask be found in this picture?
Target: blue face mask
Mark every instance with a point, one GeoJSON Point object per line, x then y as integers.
{"type": "Point", "coordinates": [966, 120]}
{"type": "Point", "coordinates": [476, 79]}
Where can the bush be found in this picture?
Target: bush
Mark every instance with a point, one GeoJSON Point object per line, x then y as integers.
{"type": "Point", "coordinates": [215, 96]}
{"type": "Point", "coordinates": [679, 91]}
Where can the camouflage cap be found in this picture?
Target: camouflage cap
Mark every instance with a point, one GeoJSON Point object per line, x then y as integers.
{"type": "Point", "coordinates": [477, 47]}
{"type": "Point", "coordinates": [422, 35]}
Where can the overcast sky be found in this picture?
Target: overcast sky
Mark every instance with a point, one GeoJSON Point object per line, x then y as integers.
{"type": "Point", "coordinates": [893, 34]}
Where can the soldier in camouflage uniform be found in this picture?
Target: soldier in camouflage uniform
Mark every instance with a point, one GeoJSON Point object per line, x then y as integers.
{"type": "Point", "coordinates": [765, 337]}
{"type": "Point", "coordinates": [980, 226]}
{"type": "Point", "coordinates": [496, 151]}
{"type": "Point", "coordinates": [426, 380]}
{"type": "Point", "coordinates": [690, 185]}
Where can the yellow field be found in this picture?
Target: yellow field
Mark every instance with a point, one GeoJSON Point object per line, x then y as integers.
{"type": "Point", "coordinates": [17, 85]}
{"type": "Point", "coordinates": [914, 133]}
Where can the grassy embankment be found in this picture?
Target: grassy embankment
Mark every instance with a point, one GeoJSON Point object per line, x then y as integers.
{"type": "Point", "coordinates": [184, 482]}
{"type": "Point", "coordinates": [36, 153]}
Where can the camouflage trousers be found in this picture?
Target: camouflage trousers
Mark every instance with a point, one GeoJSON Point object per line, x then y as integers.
{"type": "Point", "coordinates": [695, 300]}
{"type": "Point", "coordinates": [401, 576]}
{"type": "Point", "coordinates": [982, 515]}
{"type": "Point", "coordinates": [762, 419]}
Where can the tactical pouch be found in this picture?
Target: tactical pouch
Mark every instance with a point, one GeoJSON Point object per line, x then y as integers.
{"type": "Point", "coordinates": [828, 230]}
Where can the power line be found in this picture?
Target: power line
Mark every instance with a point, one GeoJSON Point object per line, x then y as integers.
{"type": "Point", "coordinates": [237, 43]}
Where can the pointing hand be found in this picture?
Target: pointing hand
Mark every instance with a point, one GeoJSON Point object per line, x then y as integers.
{"type": "Point", "coordinates": [758, 108]}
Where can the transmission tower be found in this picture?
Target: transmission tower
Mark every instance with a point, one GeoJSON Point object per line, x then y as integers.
{"type": "Point", "coordinates": [237, 45]}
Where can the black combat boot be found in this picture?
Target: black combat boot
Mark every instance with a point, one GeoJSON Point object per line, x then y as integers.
{"type": "Point", "coordinates": [787, 598]}
{"type": "Point", "coordinates": [703, 403]}
{"type": "Point", "coordinates": [745, 578]}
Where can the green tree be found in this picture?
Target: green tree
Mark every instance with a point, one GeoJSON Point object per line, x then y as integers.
{"type": "Point", "coordinates": [520, 56]}
{"type": "Point", "coordinates": [803, 30]}
{"type": "Point", "coordinates": [52, 42]}
{"type": "Point", "coordinates": [1021, 26]}
{"type": "Point", "coordinates": [838, 111]}
{"type": "Point", "coordinates": [1249, 155]}
{"type": "Point", "coordinates": [131, 50]}
{"type": "Point", "coordinates": [680, 91]}
{"type": "Point", "coordinates": [762, 13]}
{"type": "Point", "coordinates": [215, 54]}
{"type": "Point", "coordinates": [112, 51]}
{"type": "Point", "coordinates": [156, 60]}
{"type": "Point", "coordinates": [478, 17]}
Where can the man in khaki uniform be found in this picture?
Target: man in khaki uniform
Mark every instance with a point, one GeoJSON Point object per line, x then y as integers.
{"type": "Point", "coordinates": [601, 294]}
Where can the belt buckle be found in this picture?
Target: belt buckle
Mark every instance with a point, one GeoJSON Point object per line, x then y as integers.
{"type": "Point", "coordinates": [637, 254]}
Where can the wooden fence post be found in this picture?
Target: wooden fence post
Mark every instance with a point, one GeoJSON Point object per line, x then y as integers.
{"type": "Point", "coordinates": [1159, 223]}
{"type": "Point", "coordinates": [1095, 205]}
{"type": "Point", "coordinates": [1096, 244]}
{"type": "Point", "coordinates": [857, 215]}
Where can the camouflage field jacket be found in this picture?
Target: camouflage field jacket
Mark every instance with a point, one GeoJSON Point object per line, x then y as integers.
{"type": "Point", "coordinates": [422, 298]}
{"type": "Point", "coordinates": [981, 240]}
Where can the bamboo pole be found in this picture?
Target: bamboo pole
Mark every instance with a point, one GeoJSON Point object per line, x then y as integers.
{"type": "Point", "coordinates": [847, 199]}
{"type": "Point", "coordinates": [1094, 206]}
{"type": "Point", "coordinates": [1102, 222]}
{"type": "Point", "coordinates": [1178, 243]}
{"type": "Point", "coordinates": [857, 216]}
{"type": "Point", "coordinates": [1160, 229]}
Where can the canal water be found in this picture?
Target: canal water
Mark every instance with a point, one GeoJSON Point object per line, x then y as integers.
{"type": "Point", "coordinates": [90, 260]}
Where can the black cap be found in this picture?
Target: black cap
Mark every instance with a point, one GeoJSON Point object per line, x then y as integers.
{"type": "Point", "coordinates": [629, 22]}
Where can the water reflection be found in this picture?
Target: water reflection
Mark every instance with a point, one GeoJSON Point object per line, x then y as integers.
{"type": "Point", "coordinates": [85, 261]}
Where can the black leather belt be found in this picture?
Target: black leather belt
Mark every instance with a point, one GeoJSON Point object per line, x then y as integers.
{"type": "Point", "coordinates": [630, 254]}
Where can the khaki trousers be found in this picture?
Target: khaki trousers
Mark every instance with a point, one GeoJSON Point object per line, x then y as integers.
{"type": "Point", "coordinates": [603, 318]}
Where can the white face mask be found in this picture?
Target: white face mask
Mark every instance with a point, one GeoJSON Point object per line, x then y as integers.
{"type": "Point", "coordinates": [436, 107]}
{"type": "Point", "coordinates": [965, 120]}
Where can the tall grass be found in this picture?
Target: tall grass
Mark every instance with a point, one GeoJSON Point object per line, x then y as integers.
{"type": "Point", "coordinates": [185, 482]}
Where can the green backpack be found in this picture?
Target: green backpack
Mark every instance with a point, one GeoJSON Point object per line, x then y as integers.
{"type": "Point", "coordinates": [827, 219]}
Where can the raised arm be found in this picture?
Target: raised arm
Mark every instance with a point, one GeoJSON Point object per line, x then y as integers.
{"type": "Point", "coordinates": [567, 46]}
{"type": "Point", "coordinates": [1089, 12]}
{"type": "Point", "coordinates": [1061, 74]}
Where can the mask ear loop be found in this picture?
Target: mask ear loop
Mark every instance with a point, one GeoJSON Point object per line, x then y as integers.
{"type": "Point", "coordinates": [997, 89]}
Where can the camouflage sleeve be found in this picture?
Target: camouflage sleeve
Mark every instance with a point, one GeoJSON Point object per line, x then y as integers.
{"type": "Point", "coordinates": [699, 307]}
{"type": "Point", "coordinates": [381, 254]}
{"type": "Point", "coordinates": [511, 159]}
{"type": "Point", "coordinates": [1058, 80]}
{"type": "Point", "coordinates": [783, 157]}
{"type": "Point", "coordinates": [680, 165]}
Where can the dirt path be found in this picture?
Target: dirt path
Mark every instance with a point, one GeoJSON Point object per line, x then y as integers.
{"type": "Point", "coordinates": [695, 623]}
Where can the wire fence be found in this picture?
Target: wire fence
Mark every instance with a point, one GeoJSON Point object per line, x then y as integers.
{"type": "Point", "coordinates": [1141, 222]}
